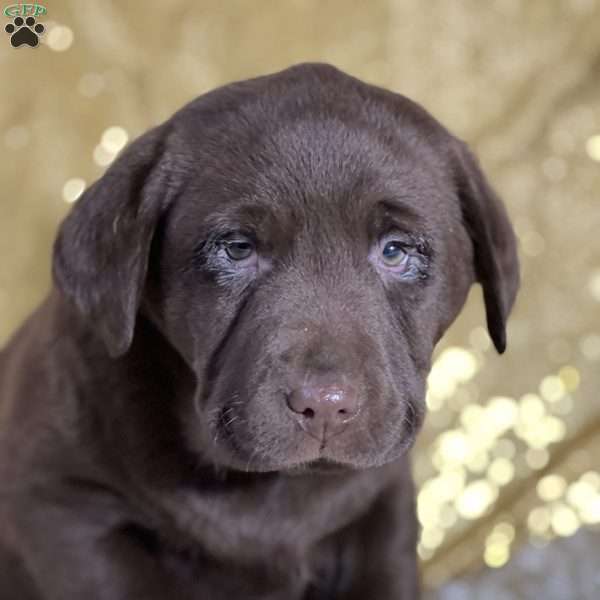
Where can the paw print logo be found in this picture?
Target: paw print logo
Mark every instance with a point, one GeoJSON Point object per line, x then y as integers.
{"type": "Point", "coordinates": [24, 32]}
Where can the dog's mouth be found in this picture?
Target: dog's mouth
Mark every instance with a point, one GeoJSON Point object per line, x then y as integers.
{"type": "Point", "coordinates": [234, 449]}
{"type": "Point", "coordinates": [319, 465]}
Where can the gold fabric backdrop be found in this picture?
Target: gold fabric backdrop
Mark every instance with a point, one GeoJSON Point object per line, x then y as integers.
{"type": "Point", "coordinates": [509, 454]}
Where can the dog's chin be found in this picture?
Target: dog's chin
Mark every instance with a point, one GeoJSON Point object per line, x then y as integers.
{"type": "Point", "coordinates": [306, 458]}
{"type": "Point", "coordinates": [303, 463]}
{"type": "Point", "coordinates": [319, 466]}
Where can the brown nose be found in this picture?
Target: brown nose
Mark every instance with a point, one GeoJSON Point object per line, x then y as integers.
{"type": "Point", "coordinates": [324, 408]}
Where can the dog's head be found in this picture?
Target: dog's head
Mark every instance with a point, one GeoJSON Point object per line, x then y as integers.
{"type": "Point", "coordinates": [302, 240]}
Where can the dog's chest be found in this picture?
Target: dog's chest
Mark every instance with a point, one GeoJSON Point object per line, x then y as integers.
{"type": "Point", "coordinates": [278, 535]}
{"type": "Point", "coordinates": [280, 517]}
{"type": "Point", "coordinates": [320, 574]}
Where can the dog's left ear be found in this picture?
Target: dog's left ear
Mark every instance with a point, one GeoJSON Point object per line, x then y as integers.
{"type": "Point", "coordinates": [102, 249]}
{"type": "Point", "coordinates": [494, 242]}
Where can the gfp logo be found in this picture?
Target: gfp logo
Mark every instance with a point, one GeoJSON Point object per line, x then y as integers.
{"type": "Point", "coordinates": [24, 30]}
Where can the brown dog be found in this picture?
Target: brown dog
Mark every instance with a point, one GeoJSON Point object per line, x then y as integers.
{"type": "Point", "coordinates": [217, 398]}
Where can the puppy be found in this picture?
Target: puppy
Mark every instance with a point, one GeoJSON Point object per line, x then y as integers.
{"type": "Point", "coordinates": [217, 397]}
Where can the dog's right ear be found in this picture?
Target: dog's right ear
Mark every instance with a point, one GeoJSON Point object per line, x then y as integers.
{"type": "Point", "coordinates": [101, 252]}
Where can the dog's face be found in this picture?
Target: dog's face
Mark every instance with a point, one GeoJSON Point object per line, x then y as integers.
{"type": "Point", "coordinates": [302, 240]}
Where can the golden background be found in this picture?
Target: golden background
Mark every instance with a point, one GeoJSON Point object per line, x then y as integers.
{"type": "Point", "coordinates": [509, 458]}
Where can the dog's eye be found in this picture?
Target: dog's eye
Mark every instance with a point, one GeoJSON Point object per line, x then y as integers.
{"type": "Point", "coordinates": [394, 254]}
{"type": "Point", "coordinates": [404, 256]}
{"type": "Point", "coordinates": [238, 248]}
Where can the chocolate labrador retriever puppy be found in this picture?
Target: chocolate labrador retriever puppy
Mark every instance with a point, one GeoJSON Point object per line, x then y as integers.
{"type": "Point", "coordinates": [217, 398]}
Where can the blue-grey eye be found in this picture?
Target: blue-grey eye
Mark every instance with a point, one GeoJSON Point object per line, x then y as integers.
{"type": "Point", "coordinates": [394, 254]}
{"type": "Point", "coordinates": [238, 248]}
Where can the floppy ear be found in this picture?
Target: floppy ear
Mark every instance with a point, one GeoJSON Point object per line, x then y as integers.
{"type": "Point", "coordinates": [101, 252]}
{"type": "Point", "coordinates": [494, 243]}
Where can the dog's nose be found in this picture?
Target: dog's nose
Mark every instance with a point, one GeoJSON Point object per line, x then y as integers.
{"type": "Point", "coordinates": [324, 408]}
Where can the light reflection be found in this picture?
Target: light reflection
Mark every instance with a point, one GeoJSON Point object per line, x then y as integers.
{"type": "Point", "coordinates": [592, 147]}
{"type": "Point", "coordinates": [537, 458]}
{"type": "Point", "coordinates": [114, 139]}
{"type": "Point", "coordinates": [594, 285]}
{"type": "Point", "coordinates": [497, 545]}
{"type": "Point", "coordinates": [111, 143]}
{"type": "Point", "coordinates": [501, 471]}
{"type": "Point", "coordinates": [551, 487]}
{"type": "Point", "coordinates": [72, 189]}
{"type": "Point", "coordinates": [453, 366]}
{"type": "Point", "coordinates": [59, 37]}
{"type": "Point", "coordinates": [483, 443]}
{"type": "Point", "coordinates": [564, 521]}
{"type": "Point", "coordinates": [590, 346]}
{"type": "Point", "coordinates": [476, 498]}
{"type": "Point", "coordinates": [570, 377]}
